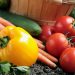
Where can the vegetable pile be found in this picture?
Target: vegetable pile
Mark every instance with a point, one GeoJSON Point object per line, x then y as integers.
{"type": "Point", "coordinates": [58, 47]}
{"type": "Point", "coordinates": [60, 42]}
{"type": "Point", "coordinates": [20, 48]}
{"type": "Point", "coordinates": [24, 42]}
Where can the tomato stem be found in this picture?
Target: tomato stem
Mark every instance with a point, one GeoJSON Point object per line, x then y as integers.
{"type": "Point", "coordinates": [70, 40]}
{"type": "Point", "coordinates": [4, 41]}
{"type": "Point", "coordinates": [73, 23]}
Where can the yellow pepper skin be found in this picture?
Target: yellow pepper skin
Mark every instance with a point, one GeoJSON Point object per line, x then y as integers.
{"type": "Point", "coordinates": [21, 50]}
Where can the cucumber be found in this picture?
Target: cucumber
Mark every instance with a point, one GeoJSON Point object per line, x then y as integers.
{"type": "Point", "coordinates": [21, 21]}
{"type": "Point", "coordinates": [5, 4]}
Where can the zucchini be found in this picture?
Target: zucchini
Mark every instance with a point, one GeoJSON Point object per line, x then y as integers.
{"type": "Point", "coordinates": [21, 21]}
{"type": "Point", "coordinates": [4, 4]}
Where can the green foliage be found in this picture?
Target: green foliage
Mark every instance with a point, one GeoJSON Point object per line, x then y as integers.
{"type": "Point", "coordinates": [8, 69]}
{"type": "Point", "coordinates": [5, 67]}
{"type": "Point", "coordinates": [72, 14]}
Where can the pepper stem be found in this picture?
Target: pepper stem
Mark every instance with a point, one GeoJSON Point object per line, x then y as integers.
{"type": "Point", "coordinates": [4, 41]}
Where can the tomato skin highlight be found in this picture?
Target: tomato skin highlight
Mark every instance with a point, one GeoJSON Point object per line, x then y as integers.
{"type": "Point", "coordinates": [67, 60]}
{"type": "Point", "coordinates": [56, 44]}
{"type": "Point", "coordinates": [64, 24]}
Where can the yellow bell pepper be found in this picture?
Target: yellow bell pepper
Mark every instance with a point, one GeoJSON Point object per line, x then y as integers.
{"type": "Point", "coordinates": [17, 46]}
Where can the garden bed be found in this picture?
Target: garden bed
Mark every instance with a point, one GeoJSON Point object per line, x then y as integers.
{"type": "Point", "coordinates": [42, 69]}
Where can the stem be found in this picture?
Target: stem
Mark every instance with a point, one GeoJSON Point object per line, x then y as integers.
{"type": "Point", "coordinates": [4, 41]}
{"type": "Point", "coordinates": [73, 23]}
{"type": "Point", "coordinates": [70, 40]}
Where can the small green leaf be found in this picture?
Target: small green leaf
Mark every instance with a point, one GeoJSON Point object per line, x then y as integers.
{"type": "Point", "coordinates": [23, 69]}
{"type": "Point", "coordinates": [9, 69]}
{"type": "Point", "coordinates": [5, 67]}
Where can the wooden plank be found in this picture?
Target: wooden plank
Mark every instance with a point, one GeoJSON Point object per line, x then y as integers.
{"type": "Point", "coordinates": [69, 1]}
{"type": "Point", "coordinates": [70, 9]}
{"type": "Point", "coordinates": [48, 11]}
{"type": "Point", "coordinates": [14, 6]}
{"type": "Point", "coordinates": [40, 9]}
{"type": "Point", "coordinates": [44, 9]}
{"type": "Point", "coordinates": [62, 10]}
{"type": "Point", "coordinates": [34, 9]}
{"type": "Point", "coordinates": [23, 7]}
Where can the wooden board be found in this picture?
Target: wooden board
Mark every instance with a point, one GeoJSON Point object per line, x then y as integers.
{"type": "Point", "coordinates": [41, 10]}
{"type": "Point", "coordinates": [34, 9]}
{"type": "Point", "coordinates": [62, 10]}
{"type": "Point", "coordinates": [14, 6]}
{"type": "Point", "coordinates": [48, 11]}
{"type": "Point", "coordinates": [23, 7]}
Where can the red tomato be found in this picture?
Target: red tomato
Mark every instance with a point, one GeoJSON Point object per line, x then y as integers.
{"type": "Point", "coordinates": [56, 44]}
{"type": "Point", "coordinates": [72, 39]}
{"type": "Point", "coordinates": [67, 60]}
{"type": "Point", "coordinates": [64, 24]}
{"type": "Point", "coordinates": [71, 33]}
{"type": "Point", "coordinates": [46, 32]}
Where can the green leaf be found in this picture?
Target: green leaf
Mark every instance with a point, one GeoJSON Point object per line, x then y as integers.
{"type": "Point", "coordinates": [5, 67]}
{"type": "Point", "coordinates": [9, 69]}
{"type": "Point", "coordinates": [23, 69]}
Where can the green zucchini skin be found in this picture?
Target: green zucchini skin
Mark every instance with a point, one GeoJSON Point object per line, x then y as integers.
{"type": "Point", "coordinates": [21, 21]}
{"type": "Point", "coordinates": [5, 4]}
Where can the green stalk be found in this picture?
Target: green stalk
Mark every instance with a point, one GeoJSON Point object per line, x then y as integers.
{"type": "Point", "coordinates": [4, 41]}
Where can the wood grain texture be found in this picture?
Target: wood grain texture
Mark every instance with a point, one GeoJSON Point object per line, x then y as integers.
{"type": "Point", "coordinates": [48, 11]}
{"type": "Point", "coordinates": [23, 7]}
{"type": "Point", "coordinates": [41, 10]}
{"type": "Point", "coordinates": [62, 10]}
{"type": "Point", "coordinates": [34, 9]}
{"type": "Point", "coordinates": [14, 6]}
{"type": "Point", "coordinates": [70, 9]}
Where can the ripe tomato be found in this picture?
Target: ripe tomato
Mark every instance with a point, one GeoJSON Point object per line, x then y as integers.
{"type": "Point", "coordinates": [64, 24]}
{"type": "Point", "coordinates": [71, 33]}
{"type": "Point", "coordinates": [67, 60]}
{"type": "Point", "coordinates": [56, 44]}
{"type": "Point", "coordinates": [46, 32]}
{"type": "Point", "coordinates": [72, 40]}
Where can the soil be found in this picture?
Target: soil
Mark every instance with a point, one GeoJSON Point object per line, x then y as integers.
{"type": "Point", "coordinates": [42, 69]}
